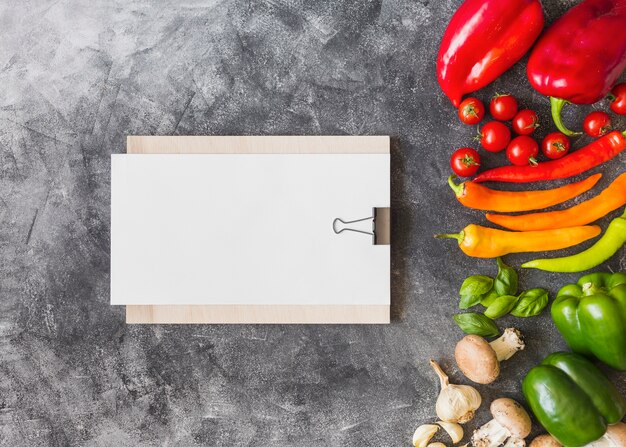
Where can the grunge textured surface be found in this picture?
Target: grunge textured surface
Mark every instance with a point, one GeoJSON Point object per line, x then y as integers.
{"type": "Point", "coordinates": [76, 77]}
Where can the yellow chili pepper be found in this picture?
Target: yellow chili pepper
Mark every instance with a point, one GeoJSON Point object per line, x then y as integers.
{"type": "Point", "coordinates": [483, 242]}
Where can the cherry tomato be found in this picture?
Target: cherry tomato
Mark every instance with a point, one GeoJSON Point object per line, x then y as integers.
{"type": "Point", "coordinates": [465, 161]}
{"type": "Point", "coordinates": [494, 136]}
{"type": "Point", "coordinates": [471, 111]}
{"type": "Point", "coordinates": [618, 99]}
{"type": "Point", "coordinates": [597, 124]}
{"type": "Point", "coordinates": [525, 122]}
{"type": "Point", "coordinates": [503, 107]}
{"type": "Point", "coordinates": [522, 151]}
{"type": "Point", "coordinates": [555, 145]}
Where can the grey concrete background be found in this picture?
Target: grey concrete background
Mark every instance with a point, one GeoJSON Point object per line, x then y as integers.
{"type": "Point", "coordinates": [76, 77]}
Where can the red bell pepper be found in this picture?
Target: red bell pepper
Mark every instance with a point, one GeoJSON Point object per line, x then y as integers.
{"type": "Point", "coordinates": [581, 56]}
{"type": "Point", "coordinates": [484, 39]}
{"type": "Point", "coordinates": [574, 163]}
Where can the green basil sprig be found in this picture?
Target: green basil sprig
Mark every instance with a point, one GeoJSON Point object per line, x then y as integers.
{"type": "Point", "coordinates": [478, 324]}
{"type": "Point", "coordinates": [530, 303]}
{"type": "Point", "coordinates": [473, 289]}
{"type": "Point", "coordinates": [499, 295]}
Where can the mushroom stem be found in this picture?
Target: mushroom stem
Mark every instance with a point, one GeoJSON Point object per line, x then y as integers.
{"type": "Point", "coordinates": [444, 381]}
{"type": "Point", "coordinates": [507, 344]}
{"type": "Point", "coordinates": [492, 434]}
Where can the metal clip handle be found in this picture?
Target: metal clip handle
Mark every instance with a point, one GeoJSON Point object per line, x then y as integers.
{"type": "Point", "coordinates": [378, 226]}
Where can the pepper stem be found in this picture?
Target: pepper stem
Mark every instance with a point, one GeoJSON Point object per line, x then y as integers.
{"type": "Point", "coordinates": [590, 288]}
{"type": "Point", "coordinates": [458, 189]}
{"type": "Point", "coordinates": [458, 236]}
{"type": "Point", "coordinates": [556, 106]}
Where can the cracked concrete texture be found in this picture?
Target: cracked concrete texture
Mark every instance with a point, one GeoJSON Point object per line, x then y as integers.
{"type": "Point", "coordinates": [78, 77]}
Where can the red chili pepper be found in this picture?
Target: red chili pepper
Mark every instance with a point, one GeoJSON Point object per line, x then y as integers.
{"type": "Point", "coordinates": [593, 154]}
{"type": "Point", "coordinates": [581, 56]}
{"type": "Point", "coordinates": [484, 39]}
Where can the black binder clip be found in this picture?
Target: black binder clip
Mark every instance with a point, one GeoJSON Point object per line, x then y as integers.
{"type": "Point", "coordinates": [378, 226]}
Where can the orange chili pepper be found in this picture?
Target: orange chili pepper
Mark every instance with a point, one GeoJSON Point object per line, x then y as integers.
{"type": "Point", "coordinates": [474, 195]}
{"type": "Point", "coordinates": [608, 200]}
{"type": "Point", "coordinates": [483, 242]}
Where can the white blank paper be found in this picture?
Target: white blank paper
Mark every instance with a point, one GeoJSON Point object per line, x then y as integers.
{"type": "Point", "coordinates": [246, 229]}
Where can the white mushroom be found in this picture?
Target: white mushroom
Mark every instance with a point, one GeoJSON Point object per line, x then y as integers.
{"type": "Point", "coordinates": [545, 441]}
{"type": "Point", "coordinates": [480, 360]}
{"type": "Point", "coordinates": [510, 420]}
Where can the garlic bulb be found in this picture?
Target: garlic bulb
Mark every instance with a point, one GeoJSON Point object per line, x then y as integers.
{"type": "Point", "coordinates": [456, 403]}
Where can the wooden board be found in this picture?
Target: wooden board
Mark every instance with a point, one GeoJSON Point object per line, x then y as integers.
{"type": "Point", "coordinates": [265, 314]}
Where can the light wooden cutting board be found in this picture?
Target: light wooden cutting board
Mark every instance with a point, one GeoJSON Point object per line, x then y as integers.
{"type": "Point", "coordinates": [292, 313]}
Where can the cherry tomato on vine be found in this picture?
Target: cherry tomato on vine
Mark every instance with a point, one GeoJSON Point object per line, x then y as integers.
{"type": "Point", "coordinates": [494, 136]}
{"type": "Point", "coordinates": [522, 151]}
{"type": "Point", "coordinates": [597, 124]}
{"type": "Point", "coordinates": [471, 111]}
{"type": "Point", "coordinates": [618, 99]}
{"type": "Point", "coordinates": [555, 145]}
{"type": "Point", "coordinates": [465, 161]}
{"type": "Point", "coordinates": [525, 122]}
{"type": "Point", "coordinates": [503, 107]}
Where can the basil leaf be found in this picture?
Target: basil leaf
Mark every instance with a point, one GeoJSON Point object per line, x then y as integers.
{"type": "Point", "coordinates": [479, 324]}
{"type": "Point", "coordinates": [473, 289]}
{"type": "Point", "coordinates": [488, 299]}
{"type": "Point", "coordinates": [501, 306]}
{"type": "Point", "coordinates": [469, 301]}
{"type": "Point", "coordinates": [531, 303]}
{"type": "Point", "coordinates": [506, 280]}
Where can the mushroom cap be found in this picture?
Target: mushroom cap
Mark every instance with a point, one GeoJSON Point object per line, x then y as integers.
{"type": "Point", "coordinates": [545, 441]}
{"type": "Point", "coordinates": [512, 416]}
{"type": "Point", "coordinates": [476, 359]}
{"type": "Point", "coordinates": [617, 433]}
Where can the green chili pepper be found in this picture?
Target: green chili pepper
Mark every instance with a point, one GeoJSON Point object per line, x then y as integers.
{"type": "Point", "coordinates": [607, 246]}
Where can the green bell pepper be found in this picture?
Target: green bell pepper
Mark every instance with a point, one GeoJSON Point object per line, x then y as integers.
{"type": "Point", "coordinates": [572, 398]}
{"type": "Point", "coordinates": [591, 316]}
